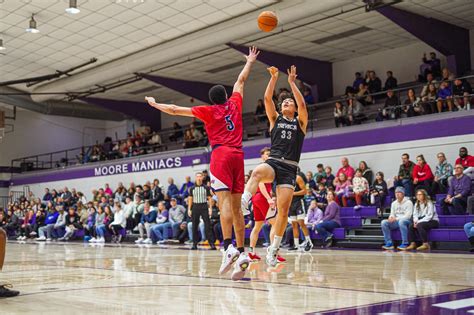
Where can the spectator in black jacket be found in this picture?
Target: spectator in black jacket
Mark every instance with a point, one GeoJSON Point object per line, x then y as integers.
{"type": "Point", "coordinates": [462, 89]}
{"type": "Point", "coordinates": [378, 192]}
{"type": "Point", "coordinates": [390, 82]}
{"type": "Point", "coordinates": [374, 83]}
{"type": "Point", "coordinates": [72, 224]}
{"type": "Point", "coordinates": [390, 109]}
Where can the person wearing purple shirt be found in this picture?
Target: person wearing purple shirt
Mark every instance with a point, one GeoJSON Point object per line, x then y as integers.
{"type": "Point", "coordinates": [331, 220]}
{"type": "Point", "coordinates": [160, 230]}
{"type": "Point", "coordinates": [455, 202]}
{"type": "Point", "coordinates": [315, 215]}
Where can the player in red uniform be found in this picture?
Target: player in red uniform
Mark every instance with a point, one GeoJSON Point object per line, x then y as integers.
{"type": "Point", "coordinates": [223, 122]}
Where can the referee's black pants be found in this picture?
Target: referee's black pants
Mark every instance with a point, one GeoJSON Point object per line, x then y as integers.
{"type": "Point", "coordinates": [201, 211]}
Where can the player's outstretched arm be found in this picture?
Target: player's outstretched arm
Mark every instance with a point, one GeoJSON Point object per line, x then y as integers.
{"type": "Point", "coordinates": [251, 58]}
{"type": "Point", "coordinates": [302, 109]}
{"type": "Point", "coordinates": [170, 108]}
{"type": "Point", "coordinates": [270, 107]}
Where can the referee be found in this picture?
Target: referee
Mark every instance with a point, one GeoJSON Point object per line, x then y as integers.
{"type": "Point", "coordinates": [199, 206]}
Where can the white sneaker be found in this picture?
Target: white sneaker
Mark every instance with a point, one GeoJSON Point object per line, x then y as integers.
{"type": "Point", "coordinates": [139, 241]}
{"type": "Point", "coordinates": [93, 240]}
{"type": "Point", "coordinates": [229, 257]}
{"type": "Point", "coordinates": [161, 242]}
{"type": "Point", "coordinates": [271, 257]}
{"type": "Point", "coordinates": [101, 240]}
{"type": "Point", "coordinates": [48, 240]}
{"type": "Point", "coordinates": [19, 238]}
{"type": "Point", "coordinates": [42, 238]}
{"type": "Point", "coordinates": [240, 267]}
{"type": "Point", "coordinates": [148, 241]}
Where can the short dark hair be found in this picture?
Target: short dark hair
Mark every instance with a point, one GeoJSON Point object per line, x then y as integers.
{"type": "Point", "coordinates": [406, 154]}
{"type": "Point", "coordinates": [217, 94]}
{"type": "Point", "coordinates": [319, 165]}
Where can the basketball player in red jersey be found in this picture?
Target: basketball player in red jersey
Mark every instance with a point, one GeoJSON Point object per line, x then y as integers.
{"type": "Point", "coordinates": [223, 123]}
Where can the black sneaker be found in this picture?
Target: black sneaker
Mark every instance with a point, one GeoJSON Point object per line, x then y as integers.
{"type": "Point", "coordinates": [308, 247]}
{"type": "Point", "coordinates": [213, 247]}
{"type": "Point", "coordinates": [6, 293]}
{"type": "Point", "coordinates": [194, 247]}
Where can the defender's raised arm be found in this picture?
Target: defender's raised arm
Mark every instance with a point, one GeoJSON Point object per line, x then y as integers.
{"type": "Point", "coordinates": [251, 58]}
{"type": "Point", "coordinates": [170, 108]}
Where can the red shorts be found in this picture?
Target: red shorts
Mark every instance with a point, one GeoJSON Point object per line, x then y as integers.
{"type": "Point", "coordinates": [260, 207]}
{"type": "Point", "coordinates": [227, 169]}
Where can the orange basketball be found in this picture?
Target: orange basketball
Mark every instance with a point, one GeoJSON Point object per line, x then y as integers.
{"type": "Point", "coordinates": [267, 21]}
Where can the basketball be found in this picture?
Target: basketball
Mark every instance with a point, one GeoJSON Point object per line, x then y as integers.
{"type": "Point", "coordinates": [267, 21]}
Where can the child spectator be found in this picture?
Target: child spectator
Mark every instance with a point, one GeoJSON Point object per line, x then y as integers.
{"type": "Point", "coordinates": [314, 216]}
{"type": "Point", "coordinates": [378, 192]}
{"type": "Point", "coordinates": [360, 188]}
{"type": "Point", "coordinates": [444, 97]}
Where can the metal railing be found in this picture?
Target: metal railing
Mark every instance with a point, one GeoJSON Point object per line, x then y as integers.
{"type": "Point", "coordinates": [85, 154]}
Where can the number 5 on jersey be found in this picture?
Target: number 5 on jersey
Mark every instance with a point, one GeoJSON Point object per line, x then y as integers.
{"type": "Point", "coordinates": [230, 123]}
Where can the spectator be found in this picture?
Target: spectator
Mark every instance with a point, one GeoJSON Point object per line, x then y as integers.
{"type": "Point", "coordinates": [374, 84]}
{"type": "Point", "coordinates": [130, 211]}
{"type": "Point", "coordinates": [108, 191]}
{"type": "Point", "coordinates": [147, 222]}
{"type": "Point", "coordinates": [260, 109]}
{"type": "Point", "coordinates": [444, 171]}
{"type": "Point", "coordinates": [459, 190]}
{"type": "Point", "coordinates": [462, 91]}
{"type": "Point", "coordinates": [60, 225]}
{"type": "Point", "coordinates": [310, 182]}
{"type": "Point", "coordinates": [173, 191]}
{"type": "Point", "coordinates": [184, 191]}
{"type": "Point", "coordinates": [434, 65]}
{"type": "Point", "coordinates": [13, 222]}
{"type": "Point", "coordinates": [346, 169]}
{"type": "Point", "coordinates": [422, 174]}
{"type": "Point", "coordinates": [308, 96]}
{"type": "Point", "coordinates": [50, 221]}
{"type": "Point", "coordinates": [320, 174]}
{"type": "Point", "coordinates": [404, 177]}
{"type": "Point", "coordinates": [444, 97]}
{"type": "Point", "coordinates": [177, 214]}
{"type": "Point", "coordinates": [363, 96]}
{"type": "Point", "coordinates": [118, 224]}
{"type": "Point", "coordinates": [329, 176]}
{"type": "Point", "coordinates": [160, 230]}
{"type": "Point", "coordinates": [429, 99]}
{"type": "Point", "coordinates": [401, 212]}
{"type": "Point", "coordinates": [342, 188]}
{"type": "Point", "coordinates": [178, 132]}
{"type": "Point", "coordinates": [360, 188]}
{"type": "Point", "coordinates": [321, 196]}
{"type": "Point", "coordinates": [412, 106]}
{"type": "Point", "coordinates": [390, 109]}
{"type": "Point", "coordinates": [155, 140]}
{"type": "Point", "coordinates": [425, 218]}
{"type": "Point", "coordinates": [366, 172]}
{"type": "Point", "coordinates": [390, 82]}
{"type": "Point", "coordinates": [206, 179]}
{"type": "Point", "coordinates": [72, 224]}
{"type": "Point", "coordinates": [330, 220]}
{"type": "Point", "coordinates": [339, 115]}
{"type": "Point", "coordinates": [102, 228]}
{"type": "Point", "coordinates": [465, 159]}
{"type": "Point", "coordinates": [99, 221]}
{"type": "Point", "coordinates": [378, 192]}
{"type": "Point", "coordinates": [146, 192]}
{"type": "Point", "coordinates": [447, 75]}
{"type": "Point", "coordinates": [429, 80]}
{"type": "Point", "coordinates": [189, 140]}
{"type": "Point", "coordinates": [197, 134]}
{"type": "Point", "coordinates": [469, 229]}
{"type": "Point", "coordinates": [28, 226]}
{"type": "Point", "coordinates": [156, 193]}
{"type": "Point", "coordinates": [47, 196]}
{"type": "Point", "coordinates": [314, 217]}
{"type": "Point", "coordinates": [357, 82]}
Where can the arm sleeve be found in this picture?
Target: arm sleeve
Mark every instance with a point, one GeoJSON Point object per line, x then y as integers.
{"type": "Point", "coordinates": [202, 112]}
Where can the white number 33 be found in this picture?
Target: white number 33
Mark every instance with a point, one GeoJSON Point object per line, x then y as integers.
{"type": "Point", "coordinates": [286, 134]}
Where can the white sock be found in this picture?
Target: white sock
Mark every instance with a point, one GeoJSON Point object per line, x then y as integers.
{"type": "Point", "coordinates": [276, 241]}
{"type": "Point", "coordinates": [307, 239]}
{"type": "Point", "coordinates": [297, 241]}
{"type": "Point", "coordinates": [246, 196]}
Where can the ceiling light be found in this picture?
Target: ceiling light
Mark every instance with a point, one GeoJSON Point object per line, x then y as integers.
{"type": "Point", "coordinates": [1, 45]}
{"type": "Point", "coordinates": [32, 28]}
{"type": "Point", "coordinates": [73, 7]}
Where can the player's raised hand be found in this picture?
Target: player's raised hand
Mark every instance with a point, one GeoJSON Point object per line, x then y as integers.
{"type": "Point", "coordinates": [273, 72]}
{"type": "Point", "coordinates": [253, 53]}
{"type": "Point", "coordinates": [150, 99]}
{"type": "Point", "coordinates": [292, 74]}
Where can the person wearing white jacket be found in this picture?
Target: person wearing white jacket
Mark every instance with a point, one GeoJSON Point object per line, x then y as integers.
{"type": "Point", "coordinates": [400, 218]}
{"type": "Point", "coordinates": [119, 223]}
{"type": "Point", "coordinates": [425, 218]}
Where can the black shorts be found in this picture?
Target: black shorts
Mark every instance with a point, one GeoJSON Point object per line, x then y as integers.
{"type": "Point", "coordinates": [285, 174]}
{"type": "Point", "coordinates": [297, 210]}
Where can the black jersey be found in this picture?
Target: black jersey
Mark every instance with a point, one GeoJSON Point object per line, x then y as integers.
{"type": "Point", "coordinates": [287, 139]}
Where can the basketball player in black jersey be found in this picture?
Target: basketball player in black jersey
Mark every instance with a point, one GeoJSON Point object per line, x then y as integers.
{"type": "Point", "coordinates": [288, 130]}
{"type": "Point", "coordinates": [297, 215]}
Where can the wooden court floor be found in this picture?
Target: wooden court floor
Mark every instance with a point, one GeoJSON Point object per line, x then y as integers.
{"type": "Point", "coordinates": [76, 278]}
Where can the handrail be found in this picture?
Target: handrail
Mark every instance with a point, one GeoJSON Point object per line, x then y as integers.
{"type": "Point", "coordinates": [169, 131]}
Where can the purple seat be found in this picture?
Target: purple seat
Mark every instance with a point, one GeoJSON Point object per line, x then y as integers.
{"type": "Point", "coordinates": [351, 222]}
{"type": "Point", "coordinates": [387, 201]}
{"type": "Point", "coordinates": [79, 233]}
{"type": "Point", "coordinates": [440, 235]}
{"type": "Point", "coordinates": [439, 198]}
{"type": "Point", "coordinates": [455, 220]}
{"type": "Point", "coordinates": [364, 212]}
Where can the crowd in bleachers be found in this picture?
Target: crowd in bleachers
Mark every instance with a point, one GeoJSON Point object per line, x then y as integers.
{"type": "Point", "coordinates": [151, 211]}
{"type": "Point", "coordinates": [441, 92]}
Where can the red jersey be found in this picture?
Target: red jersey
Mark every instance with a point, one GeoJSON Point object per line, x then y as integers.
{"type": "Point", "coordinates": [468, 161]}
{"type": "Point", "coordinates": [223, 122]}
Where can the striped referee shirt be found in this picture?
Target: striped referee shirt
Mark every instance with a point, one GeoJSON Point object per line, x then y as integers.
{"type": "Point", "coordinates": [200, 194]}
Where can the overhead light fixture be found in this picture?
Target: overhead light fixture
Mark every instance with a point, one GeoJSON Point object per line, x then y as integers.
{"type": "Point", "coordinates": [32, 28]}
{"type": "Point", "coordinates": [73, 7]}
{"type": "Point", "coordinates": [1, 45]}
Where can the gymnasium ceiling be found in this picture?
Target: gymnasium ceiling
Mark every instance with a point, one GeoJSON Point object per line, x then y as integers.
{"type": "Point", "coordinates": [116, 29]}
